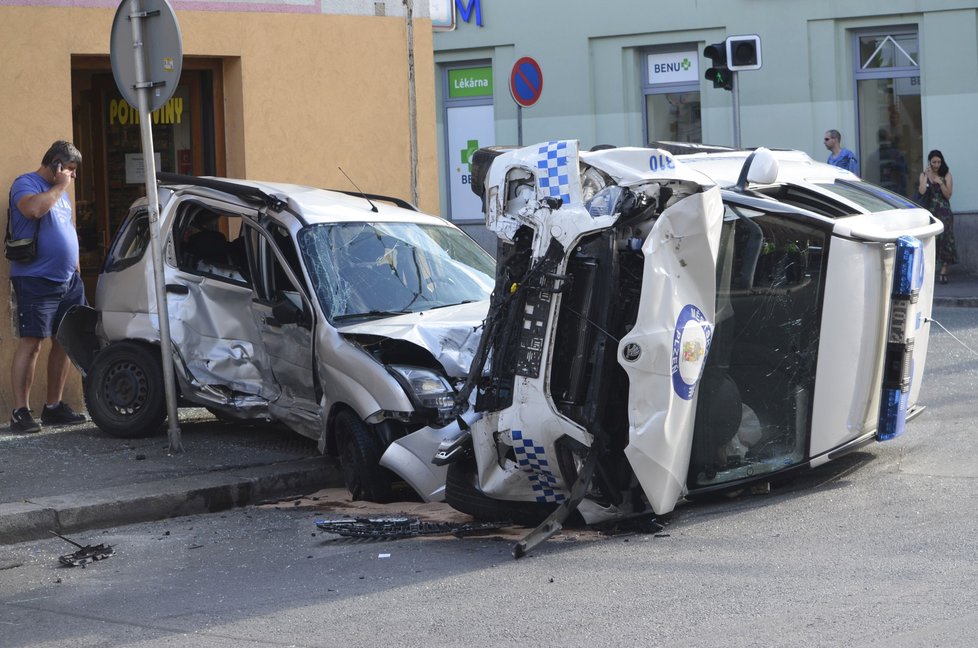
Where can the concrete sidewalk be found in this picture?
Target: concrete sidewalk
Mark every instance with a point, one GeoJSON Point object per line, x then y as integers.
{"type": "Point", "coordinates": [68, 479]}
{"type": "Point", "coordinates": [74, 478]}
{"type": "Point", "coordinates": [961, 290]}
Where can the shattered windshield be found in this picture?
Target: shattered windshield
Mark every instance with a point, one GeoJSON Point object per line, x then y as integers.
{"type": "Point", "coordinates": [382, 269]}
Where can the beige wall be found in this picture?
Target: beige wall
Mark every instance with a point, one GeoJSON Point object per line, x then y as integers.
{"type": "Point", "coordinates": [305, 94]}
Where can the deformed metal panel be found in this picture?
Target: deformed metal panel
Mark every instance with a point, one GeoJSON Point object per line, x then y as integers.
{"type": "Point", "coordinates": [218, 345]}
{"type": "Point", "coordinates": [665, 352]}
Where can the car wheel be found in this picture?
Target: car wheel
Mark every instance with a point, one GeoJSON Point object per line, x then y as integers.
{"type": "Point", "coordinates": [462, 494]}
{"type": "Point", "coordinates": [124, 390]}
{"type": "Point", "coordinates": [359, 451]}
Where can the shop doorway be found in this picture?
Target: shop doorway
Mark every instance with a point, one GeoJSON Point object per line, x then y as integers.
{"type": "Point", "coordinates": [891, 143]}
{"type": "Point", "coordinates": [188, 137]}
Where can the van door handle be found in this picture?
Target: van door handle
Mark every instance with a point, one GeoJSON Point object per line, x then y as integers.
{"type": "Point", "coordinates": [177, 289]}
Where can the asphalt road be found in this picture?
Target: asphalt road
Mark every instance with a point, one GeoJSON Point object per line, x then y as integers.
{"type": "Point", "coordinates": [876, 549]}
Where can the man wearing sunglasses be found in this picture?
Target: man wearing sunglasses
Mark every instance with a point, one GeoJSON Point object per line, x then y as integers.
{"type": "Point", "coordinates": [839, 156]}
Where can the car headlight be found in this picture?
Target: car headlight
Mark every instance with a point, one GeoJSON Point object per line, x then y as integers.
{"type": "Point", "coordinates": [428, 388]}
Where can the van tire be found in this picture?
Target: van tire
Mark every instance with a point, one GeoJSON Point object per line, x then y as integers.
{"type": "Point", "coordinates": [463, 495]}
{"type": "Point", "coordinates": [124, 390]}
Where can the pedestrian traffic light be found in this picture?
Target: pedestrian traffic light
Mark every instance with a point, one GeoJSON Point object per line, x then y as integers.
{"type": "Point", "coordinates": [744, 52]}
{"type": "Point", "coordinates": [718, 72]}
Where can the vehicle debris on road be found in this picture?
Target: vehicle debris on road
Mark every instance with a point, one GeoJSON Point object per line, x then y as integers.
{"type": "Point", "coordinates": [393, 528]}
{"type": "Point", "coordinates": [86, 553]}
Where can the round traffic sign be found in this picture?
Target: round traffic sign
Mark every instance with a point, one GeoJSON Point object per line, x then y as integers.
{"type": "Point", "coordinates": [526, 82]}
{"type": "Point", "coordinates": [162, 50]}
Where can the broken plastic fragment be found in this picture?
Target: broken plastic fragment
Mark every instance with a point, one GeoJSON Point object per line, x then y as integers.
{"type": "Point", "coordinates": [392, 528]}
{"type": "Point", "coordinates": [85, 554]}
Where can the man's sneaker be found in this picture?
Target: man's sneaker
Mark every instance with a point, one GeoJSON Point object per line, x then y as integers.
{"type": "Point", "coordinates": [22, 421]}
{"type": "Point", "coordinates": [61, 414]}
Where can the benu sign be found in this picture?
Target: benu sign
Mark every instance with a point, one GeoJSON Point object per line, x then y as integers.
{"type": "Point", "coordinates": [673, 67]}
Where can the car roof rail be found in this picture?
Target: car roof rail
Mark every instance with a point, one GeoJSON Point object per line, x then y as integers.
{"type": "Point", "coordinates": [399, 202]}
{"type": "Point", "coordinates": [247, 193]}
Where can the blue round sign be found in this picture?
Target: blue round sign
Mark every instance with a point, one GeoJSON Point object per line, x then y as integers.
{"type": "Point", "coordinates": [526, 82]}
{"type": "Point", "coordinates": [690, 345]}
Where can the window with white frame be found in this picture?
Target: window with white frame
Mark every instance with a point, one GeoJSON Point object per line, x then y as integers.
{"type": "Point", "coordinates": [470, 124]}
{"type": "Point", "coordinates": [671, 91]}
{"type": "Point", "coordinates": [888, 105]}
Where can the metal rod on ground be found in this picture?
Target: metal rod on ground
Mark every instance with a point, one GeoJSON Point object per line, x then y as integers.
{"type": "Point", "coordinates": [149, 165]}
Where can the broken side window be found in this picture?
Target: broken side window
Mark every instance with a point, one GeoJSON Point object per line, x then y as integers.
{"type": "Point", "coordinates": [130, 245]}
{"type": "Point", "coordinates": [280, 281]}
{"type": "Point", "coordinates": [202, 245]}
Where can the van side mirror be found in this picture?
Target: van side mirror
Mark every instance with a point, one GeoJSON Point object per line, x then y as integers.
{"type": "Point", "coordinates": [760, 167]}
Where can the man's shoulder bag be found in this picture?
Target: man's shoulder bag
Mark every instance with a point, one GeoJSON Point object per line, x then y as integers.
{"type": "Point", "coordinates": [21, 250]}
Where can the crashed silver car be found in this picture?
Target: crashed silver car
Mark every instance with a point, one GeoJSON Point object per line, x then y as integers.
{"type": "Point", "coordinates": [349, 318]}
{"type": "Point", "coordinates": [665, 325]}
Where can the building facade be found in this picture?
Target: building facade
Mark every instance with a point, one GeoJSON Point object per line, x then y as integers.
{"type": "Point", "coordinates": [281, 90]}
{"type": "Point", "coordinates": [896, 79]}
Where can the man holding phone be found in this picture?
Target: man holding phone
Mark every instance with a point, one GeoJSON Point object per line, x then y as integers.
{"type": "Point", "coordinates": [47, 285]}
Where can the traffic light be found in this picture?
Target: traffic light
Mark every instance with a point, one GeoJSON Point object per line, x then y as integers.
{"type": "Point", "coordinates": [718, 72]}
{"type": "Point", "coordinates": [744, 52]}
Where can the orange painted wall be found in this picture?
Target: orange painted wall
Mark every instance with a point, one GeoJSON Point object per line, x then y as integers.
{"type": "Point", "coordinates": [305, 94]}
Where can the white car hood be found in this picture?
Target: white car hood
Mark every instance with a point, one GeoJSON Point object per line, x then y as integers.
{"type": "Point", "coordinates": [451, 333]}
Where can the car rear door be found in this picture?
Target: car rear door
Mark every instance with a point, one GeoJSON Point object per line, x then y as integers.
{"type": "Point", "coordinates": [209, 297]}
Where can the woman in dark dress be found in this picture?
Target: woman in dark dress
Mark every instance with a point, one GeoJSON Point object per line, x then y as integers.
{"type": "Point", "coordinates": [935, 186]}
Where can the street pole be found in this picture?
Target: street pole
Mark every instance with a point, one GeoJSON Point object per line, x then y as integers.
{"type": "Point", "coordinates": [143, 88]}
{"type": "Point", "coordinates": [519, 125]}
{"type": "Point", "coordinates": [412, 102]}
{"type": "Point", "coordinates": [735, 97]}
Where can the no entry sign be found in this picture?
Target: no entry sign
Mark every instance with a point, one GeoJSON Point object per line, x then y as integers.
{"type": "Point", "coordinates": [526, 82]}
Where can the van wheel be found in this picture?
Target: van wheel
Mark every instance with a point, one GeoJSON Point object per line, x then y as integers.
{"type": "Point", "coordinates": [462, 494]}
{"type": "Point", "coordinates": [359, 451]}
{"type": "Point", "coordinates": [124, 391]}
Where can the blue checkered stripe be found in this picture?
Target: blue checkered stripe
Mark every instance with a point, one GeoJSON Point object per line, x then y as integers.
{"type": "Point", "coordinates": [553, 176]}
{"type": "Point", "coordinates": [532, 459]}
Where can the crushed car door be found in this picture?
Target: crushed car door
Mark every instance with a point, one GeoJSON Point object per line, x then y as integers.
{"type": "Point", "coordinates": [209, 297]}
{"type": "Point", "coordinates": [664, 354]}
{"type": "Point", "coordinates": [286, 320]}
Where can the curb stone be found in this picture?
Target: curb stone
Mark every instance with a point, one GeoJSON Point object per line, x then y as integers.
{"type": "Point", "coordinates": [149, 501]}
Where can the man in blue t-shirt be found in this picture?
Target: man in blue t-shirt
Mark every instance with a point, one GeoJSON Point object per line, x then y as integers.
{"type": "Point", "coordinates": [46, 286]}
{"type": "Point", "coordinates": [838, 156]}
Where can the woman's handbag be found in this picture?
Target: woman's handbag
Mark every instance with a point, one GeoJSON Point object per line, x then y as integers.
{"type": "Point", "coordinates": [21, 250]}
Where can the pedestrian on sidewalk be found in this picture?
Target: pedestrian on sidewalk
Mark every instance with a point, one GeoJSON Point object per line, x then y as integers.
{"type": "Point", "coordinates": [934, 188]}
{"type": "Point", "coordinates": [45, 286]}
{"type": "Point", "coordinates": [839, 156]}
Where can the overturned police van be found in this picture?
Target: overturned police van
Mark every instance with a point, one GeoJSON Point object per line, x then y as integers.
{"type": "Point", "coordinates": [665, 325]}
